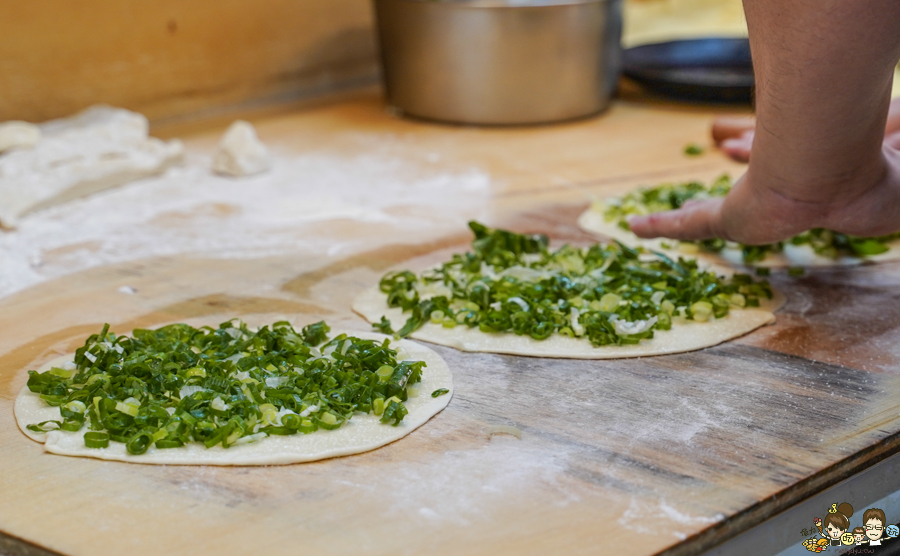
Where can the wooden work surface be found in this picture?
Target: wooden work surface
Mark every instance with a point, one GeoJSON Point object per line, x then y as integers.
{"type": "Point", "coordinates": [673, 453]}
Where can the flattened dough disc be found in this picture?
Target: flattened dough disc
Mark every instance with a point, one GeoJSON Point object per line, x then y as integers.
{"type": "Point", "coordinates": [792, 256]}
{"type": "Point", "coordinates": [361, 434]}
{"type": "Point", "coordinates": [685, 335]}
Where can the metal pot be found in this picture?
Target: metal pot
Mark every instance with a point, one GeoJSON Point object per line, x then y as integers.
{"type": "Point", "coordinates": [480, 62]}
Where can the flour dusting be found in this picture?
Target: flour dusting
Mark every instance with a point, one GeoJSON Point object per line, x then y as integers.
{"type": "Point", "coordinates": [189, 210]}
{"type": "Point", "coordinates": [464, 485]}
{"type": "Point", "coordinates": [645, 517]}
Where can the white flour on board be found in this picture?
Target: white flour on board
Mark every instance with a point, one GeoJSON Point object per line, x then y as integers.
{"type": "Point", "coordinates": [645, 517]}
{"type": "Point", "coordinates": [464, 486]}
{"type": "Point", "coordinates": [189, 210]}
{"type": "Point", "coordinates": [99, 148]}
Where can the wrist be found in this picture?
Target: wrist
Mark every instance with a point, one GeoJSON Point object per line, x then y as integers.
{"type": "Point", "coordinates": [809, 190]}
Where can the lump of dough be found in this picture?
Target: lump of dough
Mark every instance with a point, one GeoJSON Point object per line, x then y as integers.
{"type": "Point", "coordinates": [240, 152]}
{"type": "Point", "coordinates": [15, 134]}
{"type": "Point", "coordinates": [98, 148]}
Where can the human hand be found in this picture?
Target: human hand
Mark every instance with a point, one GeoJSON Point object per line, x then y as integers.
{"type": "Point", "coordinates": [755, 212]}
{"type": "Point", "coordinates": [734, 134]}
{"type": "Point", "coordinates": [825, 154]}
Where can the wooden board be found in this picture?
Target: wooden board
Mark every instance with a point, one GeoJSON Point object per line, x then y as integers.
{"type": "Point", "coordinates": [667, 454]}
{"type": "Point", "coordinates": [694, 446]}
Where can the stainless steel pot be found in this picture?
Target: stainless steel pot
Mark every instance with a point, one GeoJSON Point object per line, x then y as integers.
{"type": "Point", "coordinates": [480, 62]}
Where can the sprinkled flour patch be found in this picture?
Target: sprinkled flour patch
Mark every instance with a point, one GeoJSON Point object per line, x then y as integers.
{"type": "Point", "coordinates": [644, 517]}
{"type": "Point", "coordinates": [189, 210]}
{"type": "Point", "coordinates": [463, 485]}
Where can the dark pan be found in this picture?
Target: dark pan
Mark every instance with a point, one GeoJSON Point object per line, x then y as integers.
{"type": "Point", "coordinates": [710, 69]}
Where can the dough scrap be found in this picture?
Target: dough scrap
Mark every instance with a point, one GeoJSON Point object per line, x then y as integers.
{"type": "Point", "coordinates": [240, 152]}
{"type": "Point", "coordinates": [361, 434]}
{"type": "Point", "coordinates": [99, 148]}
{"type": "Point", "coordinates": [593, 221]}
{"type": "Point", "coordinates": [18, 135]}
{"type": "Point", "coordinates": [685, 335]}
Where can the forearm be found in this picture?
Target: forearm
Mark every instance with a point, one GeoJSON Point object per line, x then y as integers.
{"type": "Point", "coordinates": [820, 157]}
{"type": "Point", "coordinates": [824, 70]}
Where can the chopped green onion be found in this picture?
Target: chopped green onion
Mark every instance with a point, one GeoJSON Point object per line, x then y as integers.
{"type": "Point", "coordinates": [279, 431]}
{"type": "Point", "coordinates": [96, 439]}
{"type": "Point", "coordinates": [291, 421]}
{"type": "Point", "coordinates": [664, 321]}
{"type": "Point", "coordinates": [219, 386]}
{"type": "Point", "coordinates": [168, 444]}
{"type": "Point", "coordinates": [76, 406]}
{"type": "Point", "coordinates": [328, 421]}
{"type": "Point", "coordinates": [62, 373]}
{"type": "Point", "coordinates": [139, 443]}
{"type": "Point", "coordinates": [44, 426]}
{"type": "Point", "coordinates": [196, 371]}
{"type": "Point", "coordinates": [71, 426]}
{"type": "Point", "coordinates": [867, 247]}
{"type": "Point", "coordinates": [608, 295]}
{"type": "Point", "coordinates": [439, 392]}
{"type": "Point", "coordinates": [609, 302]}
{"type": "Point", "coordinates": [328, 418]}
{"type": "Point", "coordinates": [316, 333]}
{"type": "Point", "coordinates": [127, 408]}
{"type": "Point", "coordinates": [384, 373]}
{"type": "Point", "coordinates": [393, 411]}
{"type": "Point", "coordinates": [702, 310]}
{"type": "Point", "coordinates": [384, 326]}
{"type": "Point", "coordinates": [693, 149]}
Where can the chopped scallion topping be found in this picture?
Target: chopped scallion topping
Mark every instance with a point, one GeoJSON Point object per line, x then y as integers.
{"type": "Point", "coordinates": [608, 295]}
{"type": "Point", "coordinates": [825, 243]}
{"type": "Point", "coordinates": [222, 386]}
{"type": "Point", "coordinates": [693, 149]}
{"type": "Point", "coordinates": [95, 439]}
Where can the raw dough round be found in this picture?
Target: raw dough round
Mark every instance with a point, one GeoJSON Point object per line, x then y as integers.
{"type": "Point", "coordinates": [792, 256]}
{"type": "Point", "coordinates": [361, 434]}
{"type": "Point", "coordinates": [685, 335]}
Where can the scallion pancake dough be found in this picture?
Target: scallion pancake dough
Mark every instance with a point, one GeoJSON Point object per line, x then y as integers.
{"type": "Point", "coordinates": [685, 335]}
{"type": "Point", "coordinates": [594, 222]}
{"type": "Point", "coordinates": [360, 434]}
